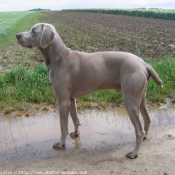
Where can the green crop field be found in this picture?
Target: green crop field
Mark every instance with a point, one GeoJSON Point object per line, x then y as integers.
{"type": "Point", "coordinates": [8, 20]}
{"type": "Point", "coordinates": [23, 76]}
{"type": "Point", "coordinates": [141, 12]}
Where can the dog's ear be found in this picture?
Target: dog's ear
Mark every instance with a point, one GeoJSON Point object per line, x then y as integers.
{"type": "Point", "coordinates": [47, 36]}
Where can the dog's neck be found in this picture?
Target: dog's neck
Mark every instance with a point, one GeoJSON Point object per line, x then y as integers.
{"type": "Point", "coordinates": [51, 51]}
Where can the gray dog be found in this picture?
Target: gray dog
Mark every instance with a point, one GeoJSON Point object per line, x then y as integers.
{"type": "Point", "coordinates": [74, 74]}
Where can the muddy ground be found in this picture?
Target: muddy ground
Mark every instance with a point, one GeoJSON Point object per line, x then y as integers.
{"type": "Point", "coordinates": [106, 136]}
{"type": "Point", "coordinates": [157, 157]}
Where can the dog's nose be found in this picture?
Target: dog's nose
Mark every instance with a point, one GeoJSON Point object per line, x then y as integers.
{"type": "Point", "coordinates": [18, 36]}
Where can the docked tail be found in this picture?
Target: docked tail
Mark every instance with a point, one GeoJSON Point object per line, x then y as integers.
{"type": "Point", "coordinates": [154, 75]}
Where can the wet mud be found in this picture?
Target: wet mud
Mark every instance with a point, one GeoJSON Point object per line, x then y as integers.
{"type": "Point", "coordinates": [25, 139]}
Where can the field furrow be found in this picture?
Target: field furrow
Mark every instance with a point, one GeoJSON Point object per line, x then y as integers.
{"type": "Point", "coordinates": [149, 38]}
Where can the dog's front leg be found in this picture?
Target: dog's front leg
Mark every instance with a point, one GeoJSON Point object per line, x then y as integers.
{"type": "Point", "coordinates": [63, 111]}
{"type": "Point", "coordinates": [74, 115]}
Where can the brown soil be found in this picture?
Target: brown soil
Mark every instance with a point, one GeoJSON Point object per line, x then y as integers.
{"type": "Point", "coordinates": [90, 32]}
{"type": "Point", "coordinates": [150, 38]}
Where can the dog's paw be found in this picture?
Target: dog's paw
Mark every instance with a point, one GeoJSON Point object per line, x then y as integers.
{"type": "Point", "coordinates": [58, 145]}
{"type": "Point", "coordinates": [131, 155]}
{"type": "Point", "coordinates": [74, 134]}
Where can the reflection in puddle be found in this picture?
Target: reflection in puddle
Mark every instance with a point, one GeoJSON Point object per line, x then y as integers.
{"type": "Point", "coordinates": [32, 138]}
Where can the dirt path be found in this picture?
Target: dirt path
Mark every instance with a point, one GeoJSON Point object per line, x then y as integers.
{"type": "Point", "coordinates": [157, 157]}
{"type": "Point", "coordinates": [106, 136]}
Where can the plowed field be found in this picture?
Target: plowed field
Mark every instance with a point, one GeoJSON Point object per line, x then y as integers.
{"type": "Point", "coordinates": [145, 37]}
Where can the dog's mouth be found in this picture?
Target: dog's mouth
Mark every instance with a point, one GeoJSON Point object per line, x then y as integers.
{"type": "Point", "coordinates": [27, 46]}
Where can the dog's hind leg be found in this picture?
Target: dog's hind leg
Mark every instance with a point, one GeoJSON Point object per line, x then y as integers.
{"type": "Point", "coordinates": [132, 93]}
{"type": "Point", "coordinates": [74, 115]}
{"type": "Point", "coordinates": [146, 118]}
{"type": "Point", "coordinates": [133, 112]}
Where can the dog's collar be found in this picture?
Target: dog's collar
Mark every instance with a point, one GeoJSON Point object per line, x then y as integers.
{"type": "Point", "coordinates": [55, 58]}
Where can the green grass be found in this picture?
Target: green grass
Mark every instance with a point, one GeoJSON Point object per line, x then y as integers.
{"type": "Point", "coordinates": [11, 53]}
{"type": "Point", "coordinates": [166, 70]}
{"type": "Point", "coordinates": [8, 20]}
{"type": "Point", "coordinates": [25, 85]}
{"type": "Point", "coordinates": [13, 22]}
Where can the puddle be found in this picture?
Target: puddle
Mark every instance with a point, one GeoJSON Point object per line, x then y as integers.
{"type": "Point", "coordinates": [31, 138]}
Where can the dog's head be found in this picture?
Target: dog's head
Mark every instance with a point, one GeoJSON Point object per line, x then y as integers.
{"type": "Point", "coordinates": [40, 35]}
